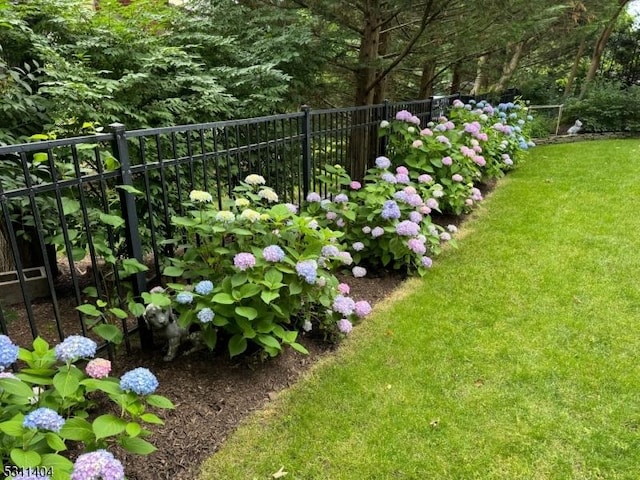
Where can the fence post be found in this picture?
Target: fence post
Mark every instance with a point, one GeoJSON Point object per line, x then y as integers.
{"type": "Point", "coordinates": [120, 150]}
{"type": "Point", "coordinates": [431, 101]}
{"type": "Point", "coordinates": [384, 140]}
{"type": "Point", "coordinates": [306, 150]}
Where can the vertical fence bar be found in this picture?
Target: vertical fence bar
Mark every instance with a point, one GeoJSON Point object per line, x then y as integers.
{"type": "Point", "coordinates": [128, 206]}
{"type": "Point", "coordinates": [384, 140]}
{"type": "Point", "coordinates": [306, 150]}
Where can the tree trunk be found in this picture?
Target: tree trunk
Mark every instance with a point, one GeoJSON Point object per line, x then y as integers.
{"type": "Point", "coordinates": [509, 68]}
{"type": "Point", "coordinates": [365, 76]}
{"type": "Point", "coordinates": [568, 89]}
{"type": "Point", "coordinates": [480, 82]}
{"type": "Point", "coordinates": [426, 80]}
{"type": "Point", "coordinates": [599, 47]}
{"type": "Point", "coordinates": [456, 79]}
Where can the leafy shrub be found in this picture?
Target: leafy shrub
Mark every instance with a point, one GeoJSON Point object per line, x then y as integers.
{"type": "Point", "coordinates": [258, 272]}
{"type": "Point", "coordinates": [50, 405]}
{"type": "Point", "coordinates": [607, 107]}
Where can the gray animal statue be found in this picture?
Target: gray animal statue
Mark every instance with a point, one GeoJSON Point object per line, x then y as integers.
{"type": "Point", "coordinates": [164, 324]}
{"type": "Point", "coordinates": [576, 128]}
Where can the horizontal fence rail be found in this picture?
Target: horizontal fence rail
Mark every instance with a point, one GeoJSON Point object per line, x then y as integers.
{"type": "Point", "coordinates": [76, 211]}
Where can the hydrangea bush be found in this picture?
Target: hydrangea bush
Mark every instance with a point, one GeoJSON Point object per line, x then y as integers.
{"type": "Point", "coordinates": [474, 143]}
{"type": "Point", "coordinates": [49, 407]}
{"type": "Point", "coordinates": [256, 272]}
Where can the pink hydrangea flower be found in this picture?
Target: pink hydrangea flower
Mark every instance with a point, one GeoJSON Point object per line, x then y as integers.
{"type": "Point", "coordinates": [98, 368]}
{"type": "Point", "coordinates": [447, 161]}
{"type": "Point", "coordinates": [344, 289]}
{"type": "Point", "coordinates": [355, 185]}
{"type": "Point", "coordinates": [362, 308]}
{"type": "Point", "coordinates": [416, 143]}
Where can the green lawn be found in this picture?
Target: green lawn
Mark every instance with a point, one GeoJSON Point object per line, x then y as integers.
{"type": "Point", "coordinates": [516, 357]}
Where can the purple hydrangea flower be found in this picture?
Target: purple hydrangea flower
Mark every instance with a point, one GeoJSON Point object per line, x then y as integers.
{"type": "Point", "coordinates": [345, 326]}
{"type": "Point", "coordinates": [457, 178]}
{"type": "Point", "coordinates": [44, 419]}
{"type": "Point", "coordinates": [358, 246]}
{"type": "Point", "coordinates": [359, 272]}
{"type": "Point", "coordinates": [206, 315]}
{"type": "Point", "coordinates": [343, 305]}
{"type": "Point", "coordinates": [383, 162]}
{"type": "Point", "coordinates": [404, 115]}
{"type": "Point", "coordinates": [414, 200]}
{"type": "Point", "coordinates": [402, 178]}
{"type": "Point", "coordinates": [313, 197]}
{"type": "Point", "coordinates": [243, 261]}
{"type": "Point", "coordinates": [415, 217]}
{"type": "Point", "coordinates": [407, 228]}
{"type": "Point", "coordinates": [424, 178]}
{"type": "Point", "coordinates": [432, 203]}
{"type": "Point", "coordinates": [388, 177]}
{"type": "Point", "coordinates": [204, 287]}
{"type": "Point", "coordinates": [331, 216]}
{"type": "Point", "coordinates": [377, 232]}
{"type": "Point", "coordinates": [416, 246]}
{"type": "Point", "coordinates": [341, 198]}
{"type": "Point", "coordinates": [98, 465]}
{"type": "Point", "coordinates": [426, 262]}
{"type": "Point", "coordinates": [292, 207]}
{"type": "Point", "coordinates": [8, 352]}
{"type": "Point", "coordinates": [362, 308]}
{"type": "Point", "coordinates": [390, 210]}
{"type": "Point", "coordinates": [273, 253]}
{"type": "Point", "coordinates": [75, 347]}
{"type": "Point", "coordinates": [307, 269]}
{"type": "Point", "coordinates": [184, 298]}
{"type": "Point", "coordinates": [443, 139]}
{"type": "Point", "coordinates": [139, 380]}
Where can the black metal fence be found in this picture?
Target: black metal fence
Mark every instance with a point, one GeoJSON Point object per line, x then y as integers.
{"type": "Point", "coordinates": [76, 210]}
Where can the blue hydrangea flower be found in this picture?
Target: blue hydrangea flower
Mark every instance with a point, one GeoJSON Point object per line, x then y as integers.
{"type": "Point", "coordinates": [204, 287]}
{"type": "Point", "coordinates": [383, 162]}
{"type": "Point", "coordinates": [97, 465]}
{"type": "Point", "coordinates": [75, 347]}
{"type": "Point", "coordinates": [313, 197]}
{"type": "Point", "coordinates": [407, 228]}
{"type": "Point", "coordinates": [344, 305]}
{"type": "Point", "coordinates": [139, 380]}
{"type": "Point", "coordinates": [8, 352]}
{"type": "Point", "coordinates": [184, 298]}
{"type": "Point", "coordinates": [205, 315]}
{"type": "Point", "coordinates": [389, 177]}
{"type": "Point", "coordinates": [44, 419]}
{"type": "Point", "coordinates": [330, 251]}
{"type": "Point", "coordinates": [307, 269]}
{"type": "Point", "coordinates": [273, 253]}
{"type": "Point", "coordinates": [390, 210]}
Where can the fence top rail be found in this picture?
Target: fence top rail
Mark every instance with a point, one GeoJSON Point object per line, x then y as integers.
{"type": "Point", "coordinates": [211, 125]}
{"type": "Point", "coordinates": [61, 142]}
